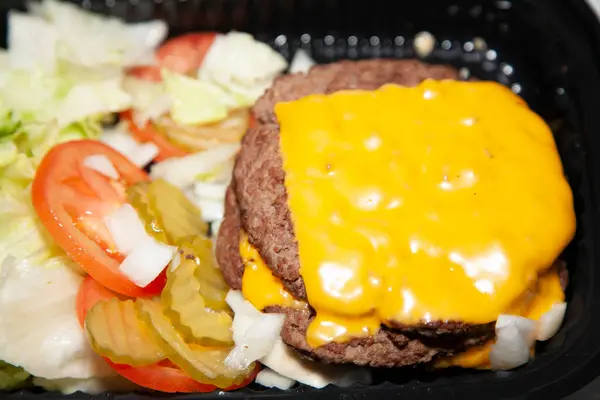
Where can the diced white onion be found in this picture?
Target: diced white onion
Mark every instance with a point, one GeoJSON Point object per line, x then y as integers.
{"type": "Point", "coordinates": [514, 338]}
{"type": "Point", "coordinates": [147, 261]}
{"type": "Point", "coordinates": [182, 172]}
{"type": "Point", "coordinates": [210, 190]}
{"type": "Point", "coordinates": [254, 334]}
{"type": "Point", "coordinates": [301, 62]}
{"type": "Point", "coordinates": [138, 153]}
{"type": "Point", "coordinates": [159, 107]}
{"type": "Point", "coordinates": [281, 358]}
{"type": "Point", "coordinates": [216, 225]}
{"type": "Point", "coordinates": [101, 163]}
{"type": "Point", "coordinates": [175, 262]}
{"type": "Point", "coordinates": [143, 154]}
{"type": "Point", "coordinates": [286, 362]}
{"type": "Point", "coordinates": [550, 322]}
{"type": "Point", "coordinates": [271, 379]}
{"type": "Point", "coordinates": [212, 210]}
{"type": "Point", "coordinates": [126, 229]}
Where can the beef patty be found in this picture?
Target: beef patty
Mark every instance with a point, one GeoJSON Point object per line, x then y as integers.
{"type": "Point", "coordinates": [258, 173]}
{"type": "Point", "coordinates": [256, 201]}
{"type": "Point", "coordinates": [388, 348]}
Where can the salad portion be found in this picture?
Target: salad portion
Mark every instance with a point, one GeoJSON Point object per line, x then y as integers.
{"type": "Point", "coordinates": [107, 275]}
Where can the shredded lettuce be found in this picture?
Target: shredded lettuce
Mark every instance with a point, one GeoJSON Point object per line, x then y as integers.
{"type": "Point", "coordinates": [236, 71]}
{"type": "Point", "coordinates": [59, 79]}
{"type": "Point", "coordinates": [64, 96]}
{"type": "Point", "coordinates": [55, 30]}
{"type": "Point", "coordinates": [112, 384]}
{"type": "Point", "coordinates": [242, 66]}
{"type": "Point", "coordinates": [39, 331]}
{"type": "Point", "coordinates": [195, 101]}
{"type": "Point", "coordinates": [149, 100]}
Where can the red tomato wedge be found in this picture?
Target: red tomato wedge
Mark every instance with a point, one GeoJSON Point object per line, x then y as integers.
{"type": "Point", "coordinates": [166, 377]}
{"type": "Point", "coordinates": [148, 133]}
{"type": "Point", "coordinates": [90, 292]}
{"type": "Point", "coordinates": [148, 73]}
{"type": "Point", "coordinates": [72, 200]}
{"type": "Point", "coordinates": [183, 54]}
{"type": "Point", "coordinates": [163, 376]}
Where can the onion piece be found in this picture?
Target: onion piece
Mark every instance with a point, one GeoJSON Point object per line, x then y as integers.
{"type": "Point", "coordinates": [216, 225]}
{"type": "Point", "coordinates": [271, 379]}
{"type": "Point", "coordinates": [101, 163]}
{"type": "Point", "coordinates": [138, 153]}
{"type": "Point", "coordinates": [147, 261]}
{"type": "Point", "coordinates": [182, 172]}
{"type": "Point", "coordinates": [210, 190]}
{"type": "Point", "coordinates": [285, 361]}
{"type": "Point", "coordinates": [514, 338]}
{"type": "Point", "coordinates": [175, 262]}
{"type": "Point", "coordinates": [143, 154]}
{"type": "Point", "coordinates": [550, 322]}
{"type": "Point", "coordinates": [212, 210]}
{"type": "Point", "coordinates": [254, 334]}
{"type": "Point", "coordinates": [125, 228]}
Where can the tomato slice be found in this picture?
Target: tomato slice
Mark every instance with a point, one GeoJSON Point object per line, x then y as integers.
{"type": "Point", "coordinates": [163, 376]}
{"type": "Point", "coordinates": [182, 54]}
{"type": "Point", "coordinates": [90, 292]}
{"type": "Point", "coordinates": [148, 73]}
{"type": "Point", "coordinates": [148, 133]}
{"type": "Point", "coordinates": [72, 200]}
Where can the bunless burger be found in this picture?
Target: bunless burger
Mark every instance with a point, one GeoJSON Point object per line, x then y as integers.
{"type": "Point", "coordinates": [398, 216]}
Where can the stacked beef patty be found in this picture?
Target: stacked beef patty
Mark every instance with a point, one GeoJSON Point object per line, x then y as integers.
{"type": "Point", "coordinates": [256, 202]}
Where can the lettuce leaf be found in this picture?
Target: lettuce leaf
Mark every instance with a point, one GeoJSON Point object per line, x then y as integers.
{"type": "Point", "coordinates": [56, 30]}
{"type": "Point", "coordinates": [242, 66]}
{"type": "Point", "coordinates": [195, 101]}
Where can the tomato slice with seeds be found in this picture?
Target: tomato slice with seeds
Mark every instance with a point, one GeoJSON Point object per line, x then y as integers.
{"type": "Point", "coordinates": [163, 376]}
{"type": "Point", "coordinates": [72, 201]}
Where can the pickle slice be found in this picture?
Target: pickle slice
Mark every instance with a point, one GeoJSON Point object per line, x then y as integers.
{"type": "Point", "coordinates": [196, 138]}
{"type": "Point", "coordinates": [116, 332]}
{"type": "Point", "coordinates": [137, 196]}
{"type": "Point", "coordinates": [204, 364]}
{"type": "Point", "coordinates": [176, 214]}
{"type": "Point", "coordinates": [208, 274]}
{"type": "Point", "coordinates": [186, 307]}
{"type": "Point", "coordinates": [166, 212]}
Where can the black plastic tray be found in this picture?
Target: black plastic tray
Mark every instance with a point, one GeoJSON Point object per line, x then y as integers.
{"type": "Point", "coordinates": [546, 50]}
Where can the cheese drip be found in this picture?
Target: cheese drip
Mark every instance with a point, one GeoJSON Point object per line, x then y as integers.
{"type": "Point", "coordinates": [444, 201]}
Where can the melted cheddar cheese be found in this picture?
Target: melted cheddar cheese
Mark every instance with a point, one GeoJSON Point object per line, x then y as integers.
{"type": "Point", "coordinates": [547, 292]}
{"type": "Point", "coordinates": [259, 286]}
{"type": "Point", "coordinates": [445, 201]}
